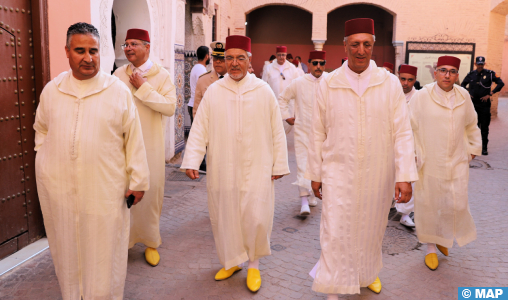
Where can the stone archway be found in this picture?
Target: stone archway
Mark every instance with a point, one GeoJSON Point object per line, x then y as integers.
{"type": "Point", "coordinates": [273, 25]}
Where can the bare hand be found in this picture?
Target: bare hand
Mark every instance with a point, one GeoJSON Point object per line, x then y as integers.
{"type": "Point", "coordinates": [473, 156]}
{"type": "Point", "coordinates": [485, 98]}
{"type": "Point", "coordinates": [403, 192]}
{"type": "Point", "coordinates": [192, 174]}
{"type": "Point", "coordinates": [316, 187]}
{"type": "Point", "coordinates": [275, 177]}
{"type": "Point", "coordinates": [138, 195]}
{"type": "Point", "coordinates": [137, 80]}
{"type": "Point", "coordinates": [291, 121]}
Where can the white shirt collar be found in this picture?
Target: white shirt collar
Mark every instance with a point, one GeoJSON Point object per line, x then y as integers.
{"type": "Point", "coordinates": [449, 96]}
{"type": "Point", "coordinates": [144, 68]}
{"type": "Point", "coordinates": [359, 82]}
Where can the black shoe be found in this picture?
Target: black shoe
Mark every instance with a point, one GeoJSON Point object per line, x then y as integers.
{"type": "Point", "coordinates": [485, 152]}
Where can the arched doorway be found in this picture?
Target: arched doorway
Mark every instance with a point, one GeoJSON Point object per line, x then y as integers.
{"type": "Point", "coordinates": [274, 25]}
{"type": "Point", "coordinates": [128, 14]}
{"type": "Point", "coordinates": [383, 27]}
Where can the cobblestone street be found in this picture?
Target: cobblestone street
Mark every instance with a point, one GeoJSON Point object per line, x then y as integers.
{"type": "Point", "coordinates": [189, 261]}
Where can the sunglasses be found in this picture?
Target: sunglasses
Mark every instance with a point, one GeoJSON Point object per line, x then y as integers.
{"type": "Point", "coordinates": [321, 63]}
{"type": "Point", "coordinates": [283, 78]}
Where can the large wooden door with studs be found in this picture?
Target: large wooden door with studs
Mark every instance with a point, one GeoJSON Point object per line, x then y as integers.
{"type": "Point", "coordinates": [20, 215]}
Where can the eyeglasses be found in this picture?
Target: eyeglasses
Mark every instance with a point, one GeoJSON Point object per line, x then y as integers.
{"type": "Point", "coordinates": [132, 45]}
{"type": "Point", "coordinates": [281, 54]}
{"type": "Point", "coordinates": [241, 59]}
{"type": "Point", "coordinates": [283, 78]}
{"type": "Point", "coordinates": [443, 71]}
{"type": "Point", "coordinates": [321, 63]}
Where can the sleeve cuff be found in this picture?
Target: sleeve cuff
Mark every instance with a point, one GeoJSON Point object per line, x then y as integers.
{"type": "Point", "coordinates": [143, 91]}
{"type": "Point", "coordinates": [312, 177]}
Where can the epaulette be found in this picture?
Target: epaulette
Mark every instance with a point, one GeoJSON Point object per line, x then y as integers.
{"type": "Point", "coordinates": [204, 74]}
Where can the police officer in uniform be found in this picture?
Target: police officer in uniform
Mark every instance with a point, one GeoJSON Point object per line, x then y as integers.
{"type": "Point", "coordinates": [480, 82]}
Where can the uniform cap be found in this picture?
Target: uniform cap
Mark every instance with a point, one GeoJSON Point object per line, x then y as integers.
{"type": "Point", "coordinates": [137, 34]}
{"type": "Point", "coordinates": [317, 55]}
{"type": "Point", "coordinates": [448, 61]}
{"type": "Point", "coordinates": [282, 49]}
{"type": "Point", "coordinates": [408, 69]}
{"type": "Point", "coordinates": [480, 60]}
{"type": "Point", "coordinates": [238, 42]}
{"type": "Point", "coordinates": [362, 25]}
{"type": "Point", "coordinates": [218, 49]}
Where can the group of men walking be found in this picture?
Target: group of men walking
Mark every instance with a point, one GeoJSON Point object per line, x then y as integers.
{"type": "Point", "coordinates": [363, 138]}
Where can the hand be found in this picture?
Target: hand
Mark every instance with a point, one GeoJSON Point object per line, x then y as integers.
{"type": "Point", "coordinates": [137, 195]}
{"type": "Point", "coordinates": [316, 186]}
{"type": "Point", "coordinates": [485, 98]}
{"type": "Point", "coordinates": [403, 192]}
{"type": "Point", "coordinates": [473, 156]}
{"type": "Point", "coordinates": [192, 174]}
{"type": "Point", "coordinates": [275, 177]}
{"type": "Point", "coordinates": [291, 121]}
{"type": "Point", "coordinates": [137, 80]}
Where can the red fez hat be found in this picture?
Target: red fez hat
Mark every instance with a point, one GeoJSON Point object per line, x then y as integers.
{"type": "Point", "coordinates": [289, 56]}
{"type": "Point", "coordinates": [138, 34]}
{"type": "Point", "coordinates": [361, 25]}
{"type": "Point", "coordinates": [282, 49]}
{"type": "Point", "coordinates": [448, 61]}
{"type": "Point", "coordinates": [317, 55]}
{"type": "Point", "coordinates": [238, 42]}
{"type": "Point", "coordinates": [388, 65]}
{"type": "Point", "coordinates": [408, 69]}
{"type": "Point", "coordinates": [295, 62]}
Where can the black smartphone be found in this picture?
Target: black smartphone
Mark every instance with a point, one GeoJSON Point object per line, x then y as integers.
{"type": "Point", "coordinates": [130, 200]}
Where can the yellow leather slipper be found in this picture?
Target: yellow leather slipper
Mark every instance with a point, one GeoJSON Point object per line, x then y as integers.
{"type": "Point", "coordinates": [225, 274]}
{"type": "Point", "coordinates": [442, 249]}
{"type": "Point", "coordinates": [375, 286]}
{"type": "Point", "coordinates": [431, 261]}
{"type": "Point", "coordinates": [253, 280]}
{"type": "Point", "coordinates": [152, 257]}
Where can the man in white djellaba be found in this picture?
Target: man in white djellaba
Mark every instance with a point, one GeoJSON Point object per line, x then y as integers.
{"type": "Point", "coordinates": [303, 91]}
{"type": "Point", "coordinates": [447, 137]}
{"type": "Point", "coordinates": [361, 147]}
{"type": "Point", "coordinates": [90, 156]}
{"type": "Point", "coordinates": [279, 74]}
{"type": "Point", "coordinates": [239, 124]}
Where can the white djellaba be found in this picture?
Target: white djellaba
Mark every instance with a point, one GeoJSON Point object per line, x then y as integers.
{"type": "Point", "coordinates": [361, 143]}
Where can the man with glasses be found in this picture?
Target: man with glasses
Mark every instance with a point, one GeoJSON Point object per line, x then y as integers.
{"type": "Point", "coordinates": [279, 74]}
{"type": "Point", "coordinates": [480, 83]}
{"type": "Point", "coordinates": [239, 124]}
{"type": "Point", "coordinates": [303, 91]}
{"type": "Point", "coordinates": [447, 137]}
{"type": "Point", "coordinates": [155, 97]}
{"type": "Point", "coordinates": [361, 153]}
{"type": "Point", "coordinates": [218, 72]}
{"type": "Point", "coordinates": [407, 77]}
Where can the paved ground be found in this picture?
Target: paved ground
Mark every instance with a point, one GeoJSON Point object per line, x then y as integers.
{"type": "Point", "coordinates": [189, 260]}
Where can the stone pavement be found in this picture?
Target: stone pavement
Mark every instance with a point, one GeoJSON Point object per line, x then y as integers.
{"type": "Point", "coordinates": [189, 259]}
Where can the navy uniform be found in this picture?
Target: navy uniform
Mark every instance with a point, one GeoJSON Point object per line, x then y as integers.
{"type": "Point", "coordinates": [480, 86]}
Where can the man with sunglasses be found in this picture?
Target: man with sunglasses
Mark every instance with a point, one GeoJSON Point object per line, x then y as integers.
{"type": "Point", "coordinates": [447, 137]}
{"type": "Point", "coordinates": [303, 91]}
{"type": "Point", "coordinates": [155, 97]}
{"type": "Point", "coordinates": [361, 153]}
{"type": "Point", "coordinates": [239, 124]}
{"type": "Point", "coordinates": [279, 74]}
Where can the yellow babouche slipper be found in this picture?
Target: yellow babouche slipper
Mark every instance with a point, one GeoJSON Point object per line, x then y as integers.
{"type": "Point", "coordinates": [152, 256]}
{"type": "Point", "coordinates": [442, 249]}
{"type": "Point", "coordinates": [253, 280]}
{"type": "Point", "coordinates": [375, 286]}
{"type": "Point", "coordinates": [225, 274]}
{"type": "Point", "coordinates": [431, 261]}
